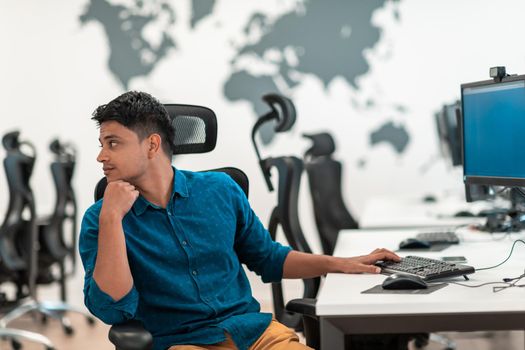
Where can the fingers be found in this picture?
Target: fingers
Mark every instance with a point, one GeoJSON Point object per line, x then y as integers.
{"type": "Point", "coordinates": [363, 268]}
{"type": "Point", "coordinates": [356, 267]}
{"type": "Point", "coordinates": [383, 254]}
{"type": "Point", "coordinates": [119, 197]}
{"type": "Point", "coordinates": [120, 184]}
{"type": "Point", "coordinates": [365, 263]}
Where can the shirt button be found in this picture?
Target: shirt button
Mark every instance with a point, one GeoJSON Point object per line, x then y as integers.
{"type": "Point", "coordinates": [184, 242]}
{"type": "Point", "coordinates": [194, 272]}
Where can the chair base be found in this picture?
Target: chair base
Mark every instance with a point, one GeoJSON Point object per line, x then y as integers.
{"type": "Point", "coordinates": [16, 334]}
{"type": "Point", "coordinates": [54, 310]}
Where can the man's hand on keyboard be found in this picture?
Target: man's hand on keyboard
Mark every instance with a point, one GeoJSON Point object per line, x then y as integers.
{"type": "Point", "coordinates": [365, 263]}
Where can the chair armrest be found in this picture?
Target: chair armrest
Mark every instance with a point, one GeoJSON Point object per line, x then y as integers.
{"type": "Point", "coordinates": [130, 336]}
{"type": "Point", "coordinates": [305, 306]}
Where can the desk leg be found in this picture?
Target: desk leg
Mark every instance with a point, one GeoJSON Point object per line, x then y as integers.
{"type": "Point", "coordinates": [332, 338]}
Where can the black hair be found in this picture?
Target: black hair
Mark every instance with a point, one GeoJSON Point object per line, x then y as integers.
{"type": "Point", "coordinates": [142, 113]}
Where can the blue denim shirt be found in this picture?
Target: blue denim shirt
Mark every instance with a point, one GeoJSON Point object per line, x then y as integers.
{"type": "Point", "coordinates": [189, 284]}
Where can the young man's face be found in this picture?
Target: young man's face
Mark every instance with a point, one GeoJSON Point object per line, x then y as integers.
{"type": "Point", "coordinates": [123, 155]}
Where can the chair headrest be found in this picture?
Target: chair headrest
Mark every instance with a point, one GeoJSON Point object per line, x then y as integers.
{"type": "Point", "coordinates": [63, 151]}
{"type": "Point", "coordinates": [195, 128]}
{"type": "Point", "coordinates": [10, 140]}
{"type": "Point", "coordinates": [323, 145]}
{"type": "Point", "coordinates": [12, 144]}
{"type": "Point", "coordinates": [283, 111]}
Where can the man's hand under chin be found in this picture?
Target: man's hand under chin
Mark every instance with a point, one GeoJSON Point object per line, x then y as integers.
{"type": "Point", "coordinates": [119, 197]}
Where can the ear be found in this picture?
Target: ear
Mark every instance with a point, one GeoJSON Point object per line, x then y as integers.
{"type": "Point", "coordinates": [154, 143]}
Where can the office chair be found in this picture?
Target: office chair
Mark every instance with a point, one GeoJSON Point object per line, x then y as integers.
{"type": "Point", "coordinates": [324, 177]}
{"type": "Point", "coordinates": [195, 132]}
{"type": "Point", "coordinates": [53, 249]}
{"type": "Point", "coordinates": [18, 233]}
{"type": "Point", "coordinates": [52, 235]}
{"type": "Point", "coordinates": [285, 214]}
{"type": "Point", "coordinates": [46, 231]}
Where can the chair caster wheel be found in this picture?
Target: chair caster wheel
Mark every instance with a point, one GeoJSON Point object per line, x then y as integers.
{"type": "Point", "coordinates": [68, 330]}
{"type": "Point", "coordinates": [15, 344]}
{"type": "Point", "coordinates": [90, 320]}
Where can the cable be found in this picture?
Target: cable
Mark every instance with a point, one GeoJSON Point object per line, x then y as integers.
{"type": "Point", "coordinates": [479, 285]}
{"type": "Point", "coordinates": [514, 279]}
{"type": "Point", "coordinates": [513, 284]}
{"type": "Point", "coordinates": [504, 261]}
{"type": "Point", "coordinates": [506, 284]}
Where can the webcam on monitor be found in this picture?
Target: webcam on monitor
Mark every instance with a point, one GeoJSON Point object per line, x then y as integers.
{"type": "Point", "coordinates": [497, 72]}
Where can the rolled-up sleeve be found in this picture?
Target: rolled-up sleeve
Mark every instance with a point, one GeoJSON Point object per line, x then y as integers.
{"type": "Point", "coordinates": [253, 243]}
{"type": "Point", "coordinates": [99, 303]}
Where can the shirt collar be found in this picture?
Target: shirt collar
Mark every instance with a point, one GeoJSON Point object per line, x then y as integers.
{"type": "Point", "coordinates": [180, 188]}
{"type": "Point", "coordinates": [180, 185]}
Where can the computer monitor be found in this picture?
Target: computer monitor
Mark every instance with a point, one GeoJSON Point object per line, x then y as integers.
{"type": "Point", "coordinates": [448, 125]}
{"type": "Point", "coordinates": [448, 132]}
{"type": "Point", "coordinates": [493, 132]}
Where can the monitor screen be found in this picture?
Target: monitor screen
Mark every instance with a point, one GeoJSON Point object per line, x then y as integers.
{"type": "Point", "coordinates": [493, 130]}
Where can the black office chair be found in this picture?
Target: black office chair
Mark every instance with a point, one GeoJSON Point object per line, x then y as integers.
{"type": "Point", "coordinates": [18, 233]}
{"type": "Point", "coordinates": [195, 132]}
{"type": "Point", "coordinates": [52, 247]}
{"type": "Point", "coordinates": [55, 247]}
{"type": "Point", "coordinates": [285, 214]}
{"type": "Point", "coordinates": [324, 177]}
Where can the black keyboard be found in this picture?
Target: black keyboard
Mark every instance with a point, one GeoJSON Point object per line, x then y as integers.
{"type": "Point", "coordinates": [427, 269]}
{"type": "Point", "coordinates": [438, 237]}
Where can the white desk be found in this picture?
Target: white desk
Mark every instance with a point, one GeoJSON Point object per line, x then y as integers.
{"type": "Point", "coordinates": [344, 310]}
{"type": "Point", "coordinates": [398, 212]}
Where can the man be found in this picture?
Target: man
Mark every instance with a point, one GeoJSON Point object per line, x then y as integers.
{"type": "Point", "coordinates": [165, 246]}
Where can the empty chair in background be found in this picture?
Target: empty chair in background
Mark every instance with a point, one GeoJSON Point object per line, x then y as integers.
{"type": "Point", "coordinates": [58, 232]}
{"type": "Point", "coordinates": [324, 177]}
{"type": "Point", "coordinates": [285, 214]}
{"type": "Point", "coordinates": [18, 233]}
{"type": "Point", "coordinates": [24, 230]}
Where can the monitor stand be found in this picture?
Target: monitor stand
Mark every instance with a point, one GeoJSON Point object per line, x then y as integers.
{"type": "Point", "coordinates": [507, 220]}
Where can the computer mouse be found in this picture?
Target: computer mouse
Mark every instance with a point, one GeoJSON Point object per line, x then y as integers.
{"type": "Point", "coordinates": [404, 281]}
{"type": "Point", "coordinates": [429, 198]}
{"type": "Point", "coordinates": [414, 243]}
{"type": "Point", "coordinates": [464, 214]}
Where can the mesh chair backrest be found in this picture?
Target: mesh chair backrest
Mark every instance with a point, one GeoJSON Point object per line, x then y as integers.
{"type": "Point", "coordinates": [324, 177]}
{"type": "Point", "coordinates": [15, 228]}
{"type": "Point", "coordinates": [286, 215]}
{"type": "Point", "coordinates": [62, 222]}
{"type": "Point", "coordinates": [195, 128]}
